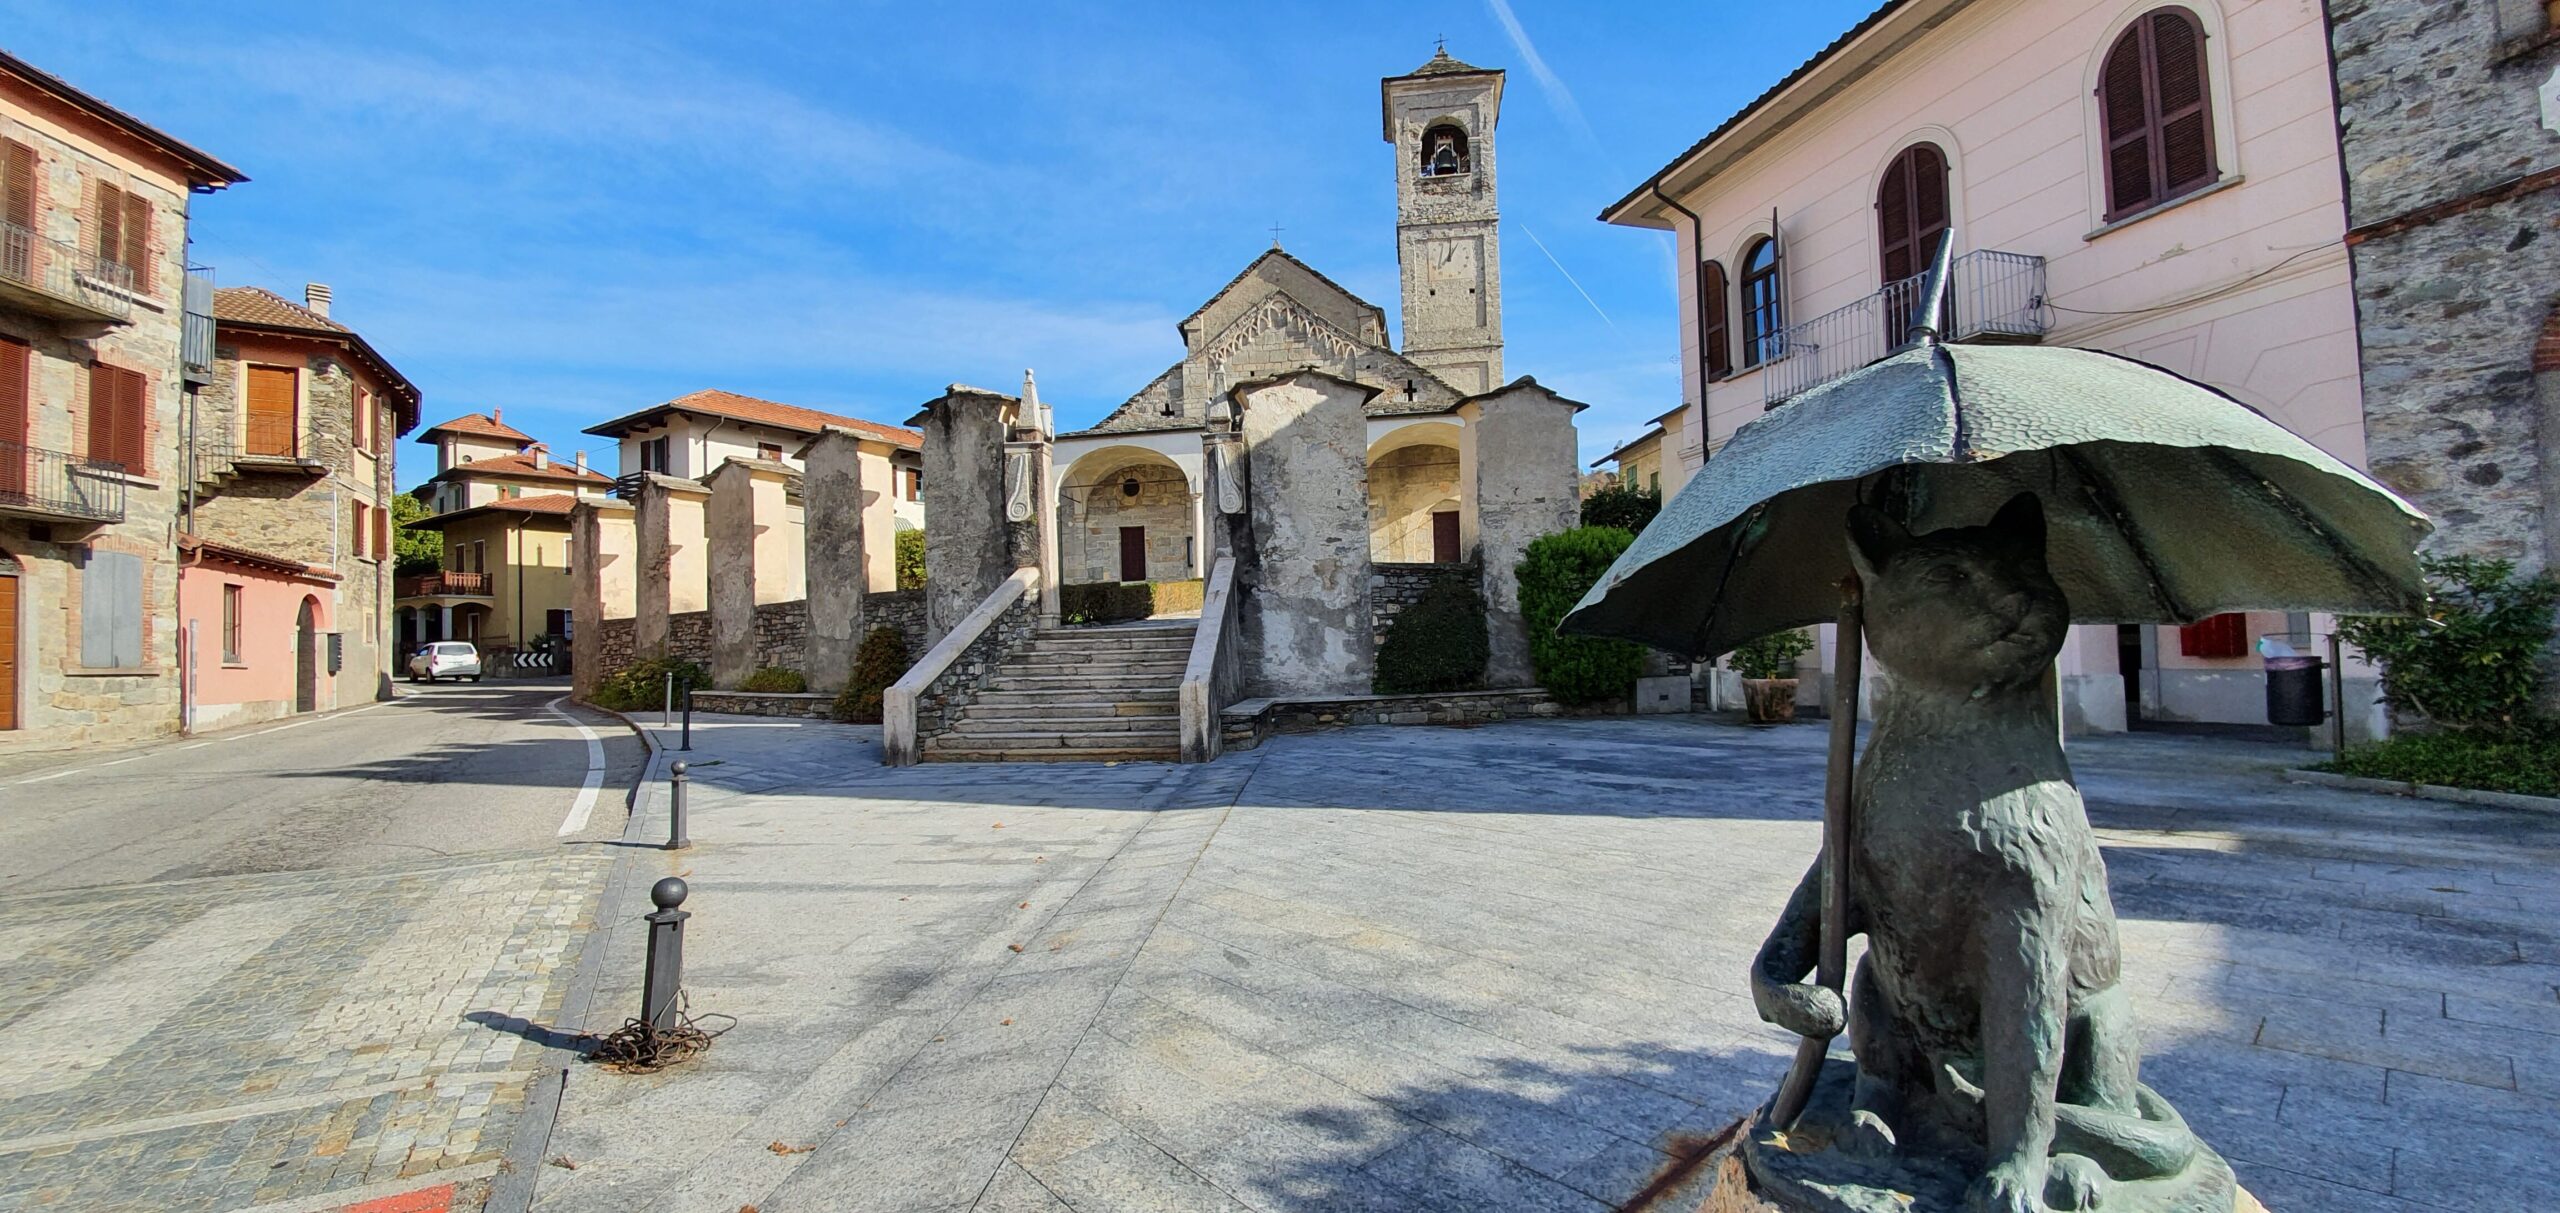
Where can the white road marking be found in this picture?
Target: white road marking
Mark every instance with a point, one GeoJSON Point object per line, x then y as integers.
{"type": "Point", "coordinates": [63, 1042]}
{"type": "Point", "coordinates": [121, 761]}
{"type": "Point", "coordinates": [586, 804]}
{"type": "Point", "coordinates": [197, 746]}
{"type": "Point", "coordinates": [55, 775]}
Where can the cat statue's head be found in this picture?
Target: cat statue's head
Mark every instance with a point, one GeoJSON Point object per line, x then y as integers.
{"type": "Point", "coordinates": [1967, 609]}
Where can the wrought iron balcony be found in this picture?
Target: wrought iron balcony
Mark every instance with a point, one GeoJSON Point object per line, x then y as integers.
{"type": "Point", "coordinates": [443, 585]}
{"type": "Point", "coordinates": [195, 332]}
{"type": "Point", "coordinates": [1992, 295]}
{"type": "Point", "coordinates": [37, 483]}
{"type": "Point", "coordinates": [46, 276]}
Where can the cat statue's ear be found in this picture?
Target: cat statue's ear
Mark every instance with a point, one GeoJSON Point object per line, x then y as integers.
{"type": "Point", "coordinates": [2020, 524]}
{"type": "Point", "coordinates": [1874, 538]}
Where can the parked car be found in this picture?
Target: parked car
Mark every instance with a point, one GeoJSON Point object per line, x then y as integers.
{"type": "Point", "coordinates": [445, 659]}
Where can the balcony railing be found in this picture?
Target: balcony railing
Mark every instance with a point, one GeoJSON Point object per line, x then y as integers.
{"type": "Point", "coordinates": [195, 332]}
{"type": "Point", "coordinates": [46, 275]}
{"type": "Point", "coordinates": [443, 585]}
{"type": "Point", "coordinates": [35, 482]}
{"type": "Point", "coordinates": [1992, 295]}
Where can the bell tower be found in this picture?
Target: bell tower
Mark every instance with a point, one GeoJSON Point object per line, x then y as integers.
{"type": "Point", "coordinates": [1440, 117]}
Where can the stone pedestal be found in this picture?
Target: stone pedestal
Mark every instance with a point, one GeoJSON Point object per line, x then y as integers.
{"type": "Point", "coordinates": [673, 578]}
{"type": "Point", "coordinates": [836, 486]}
{"type": "Point", "coordinates": [749, 548]}
{"type": "Point", "coordinates": [968, 549]}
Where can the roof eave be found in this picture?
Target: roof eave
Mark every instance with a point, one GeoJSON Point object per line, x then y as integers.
{"type": "Point", "coordinates": [204, 171]}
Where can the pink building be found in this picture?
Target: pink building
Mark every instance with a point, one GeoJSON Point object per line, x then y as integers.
{"type": "Point", "coordinates": [264, 633]}
{"type": "Point", "coordinates": [2154, 180]}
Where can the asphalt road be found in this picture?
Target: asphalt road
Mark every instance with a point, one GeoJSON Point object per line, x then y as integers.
{"type": "Point", "coordinates": [443, 771]}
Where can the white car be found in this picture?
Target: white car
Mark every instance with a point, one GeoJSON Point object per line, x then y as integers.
{"type": "Point", "coordinates": [445, 659]}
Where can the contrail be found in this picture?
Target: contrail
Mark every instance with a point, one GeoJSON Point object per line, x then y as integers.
{"type": "Point", "coordinates": [1558, 96]}
{"type": "Point", "coordinates": [1568, 274]}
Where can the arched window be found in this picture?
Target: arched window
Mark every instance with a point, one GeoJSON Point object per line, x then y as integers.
{"type": "Point", "coordinates": [1911, 216]}
{"type": "Point", "coordinates": [1763, 313]}
{"type": "Point", "coordinates": [1444, 151]}
{"type": "Point", "coordinates": [1716, 328]}
{"type": "Point", "coordinates": [2156, 108]}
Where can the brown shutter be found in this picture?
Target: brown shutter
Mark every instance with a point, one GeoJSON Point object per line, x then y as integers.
{"type": "Point", "coordinates": [2125, 112]}
{"type": "Point", "coordinates": [18, 183]}
{"type": "Point", "coordinates": [137, 240]}
{"type": "Point", "coordinates": [271, 425]}
{"type": "Point", "coordinates": [382, 532]}
{"type": "Point", "coordinates": [1893, 218]}
{"type": "Point", "coordinates": [1719, 321]}
{"type": "Point", "coordinates": [108, 211]}
{"type": "Point", "coordinates": [14, 412]}
{"type": "Point", "coordinates": [2186, 120]}
{"type": "Point", "coordinates": [133, 408]}
{"type": "Point", "coordinates": [118, 402]}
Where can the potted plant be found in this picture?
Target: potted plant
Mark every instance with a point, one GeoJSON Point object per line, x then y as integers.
{"type": "Point", "coordinates": [1768, 667]}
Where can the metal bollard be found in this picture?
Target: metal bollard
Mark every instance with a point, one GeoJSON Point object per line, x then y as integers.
{"type": "Point", "coordinates": [676, 781]}
{"type": "Point", "coordinates": [667, 706]}
{"type": "Point", "coordinates": [663, 983]}
{"type": "Point", "coordinates": [688, 721]}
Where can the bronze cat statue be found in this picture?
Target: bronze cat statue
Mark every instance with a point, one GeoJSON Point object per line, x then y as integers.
{"type": "Point", "coordinates": [1986, 1019]}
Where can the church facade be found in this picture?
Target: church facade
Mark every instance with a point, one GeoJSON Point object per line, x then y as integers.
{"type": "Point", "coordinates": [1128, 499]}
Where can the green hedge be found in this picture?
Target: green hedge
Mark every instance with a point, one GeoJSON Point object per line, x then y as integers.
{"type": "Point", "coordinates": [644, 685]}
{"type": "Point", "coordinates": [910, 559]}
{"type": "Point", "coordinates": [1555, 572]}
{"type": "Point", "coordinates": [1622, 506]}
{"type": "Point", "coordinates": [2475, 660]}
{"type": "Point", "coordinates": [1437, 644]}
{"type": "Point", "coordinates": [1121, 601]}
{"type": "Point", "coordinates": [774, 678]}
{"type": "Point", "coordinates": [881, 661]}
{"type": "Point", "coordinates": [2526, 760]}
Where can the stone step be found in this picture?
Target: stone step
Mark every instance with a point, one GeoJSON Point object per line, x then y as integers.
{"type": "Point", "coordinates": [1167, 638]}
{"type": "Point", "coordinates": [1050, 739]}
{"type": "Point", "coordinates": [1071, 709]}
{"type": "Point", "coordinates": [1007, 680]}
{"type": "Point", "coordinates": [1135, 663]}
{"type": "Point", "coordinates": [973, 725]}
{"type": "Point", "coordinates": [975, 753]}
{"type": "Point", "coordinates": [1062, 695]}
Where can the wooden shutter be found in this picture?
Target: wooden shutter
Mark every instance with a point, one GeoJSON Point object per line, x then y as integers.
{"type": "Point", "coordinates": [2186, 116]}
{"type": "Point", "coordinates": [15, 413]}
{"type": "Point", "coordinates": [119, 401]}
{"type": "Point", "coordinates": [18, 209]}
{"type": "Point", "coordinates": [1715, 298]}
{"type": "Point", "coordinates": [363, 529]}
{"type": "Point", "coordinates": [137, 240]}
{"type": "Point", "coordinates": [111, 611]}
{"type": "Point", "coordinates": [8, 650]}
{"type": "Point", "coordinates": [2156, 109]}
{"type": "Point", "coordinates": [2217, 636]}
{"type": "Point", "coordinates": [382, 532]}
{"type": "Point", "coordinates": [2124, 106]}
{"type": "Point", "coordinates": [107, 213]}
{"type": "Point", "coordinates": [271, 428]}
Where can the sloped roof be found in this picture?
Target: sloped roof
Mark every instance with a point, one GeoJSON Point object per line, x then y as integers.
{"type": "Point", "coordinates": [1255, 264]}
{"type": "Point", "coordinates": [202, 169]}
{"type": "Point", "coordinates": [520, 464]}
{"type": "Point", "coordinates": [1652, 435]}
{"type": "Point", "coordinates": [547, 505]}
{"type": "Point", "coordinates": [478, 425]}
{"type": "Point", "coordinates": [716, 403]}
{"type": "Point", "coordinates": [256, 307]}
{"type": "Point", "coordinates": [1441, 64]}
{"type": "Point", "coordinates": [253, 558]}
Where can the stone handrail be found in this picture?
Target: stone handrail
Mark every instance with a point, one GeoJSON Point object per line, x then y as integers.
{"type": "Point", "coordinates": [899, 744]}
{"type": "Point", "coordinates": [1208, 682]}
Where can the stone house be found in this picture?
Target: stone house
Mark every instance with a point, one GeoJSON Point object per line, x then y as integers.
{"type": "Point", "coordinates": [2158, 180]}
{"type": "Point", "coordinates": [285, 571]}
{"type": "Point", "coordinates": [692, 435]}
{"type": "Point", "coordinates": [502, 504]}
{"type": "Point", "coordinates": [103, 336]}
{"type": "Point", "coordinates": [2449, 123]}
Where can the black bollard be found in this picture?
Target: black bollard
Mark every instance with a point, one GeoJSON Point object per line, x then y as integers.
{"type": "Point", "coordinates": [688, 721]}
{"type": "Point", "coordinates": [662, 985]}
{"type": "Point", "coordinates": [676, 781]}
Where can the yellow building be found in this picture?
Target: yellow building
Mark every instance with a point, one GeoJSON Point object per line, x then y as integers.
{"type": "Point", "coordinates": [505, 583]}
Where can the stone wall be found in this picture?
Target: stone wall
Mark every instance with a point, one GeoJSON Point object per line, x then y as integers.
{"type": "Point", "coordinates": [1406, 487]}
{"type": "Point", "coordinates": [900, 609]}
{"type": "Point", "coordinates": [781, 628]}
{"type": "Point", "coordinates": [938, 707]}
{"type": "Point", "coordinates": [808, 705]}
{"type": "Point", "coordinates": [1089, 531]}
{"type": "Point", "coordinates": [968, 548]}
{"type": "Point", "coordinates": [1393, 587]}
{"type": "Point", "coordinates": [1305, 618]}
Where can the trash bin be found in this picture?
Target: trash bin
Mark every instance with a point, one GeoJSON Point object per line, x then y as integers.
{"type": "Point", "coordinates": [2293, 691]}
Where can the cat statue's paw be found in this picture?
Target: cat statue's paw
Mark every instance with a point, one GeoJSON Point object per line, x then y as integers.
{"type": "Point", "coordinates": [1802, 1008]}
{"type": "Point", "coordinates": [1868, 1137]}
{"type": "Point", "coordinates": [2011, 1187]}
{"type": "Point", "coordinates": [2073, 1183]}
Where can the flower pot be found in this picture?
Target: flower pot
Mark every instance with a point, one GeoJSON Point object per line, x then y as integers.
{"type": "Point", "coordinates": [1769, 700]}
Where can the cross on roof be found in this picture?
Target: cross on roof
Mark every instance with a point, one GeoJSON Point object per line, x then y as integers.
{"type": "Point", "coordinates": [1275, 235]}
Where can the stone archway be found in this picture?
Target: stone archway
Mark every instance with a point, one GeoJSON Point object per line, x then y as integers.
{"type": "Point", "coordinates": [1414, 496]}
{"type": "Point", "coordinates": [1130, 516]}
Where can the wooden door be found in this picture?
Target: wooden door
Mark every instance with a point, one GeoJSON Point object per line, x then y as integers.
{"type": "Point", "coordinates": [1133, 553]}
{"type": "Point", "coordinates": [8, 651]}
{"type": "Point", "coordinates": [16, 385]}
{"type": "Point", "coordinates": [1444, 537]}
{"type": "Point", "coordinates": [306, 661]}
{"type": "Point", "coordinates": [1911, 216]}
{"type": "Point", "coordinates": [271, 412]}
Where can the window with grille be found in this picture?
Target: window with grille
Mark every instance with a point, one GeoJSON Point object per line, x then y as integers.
{"type": "Point", "coordinates": [2156, 108]}
{"type": "Point", "coordinates": [119, 406]}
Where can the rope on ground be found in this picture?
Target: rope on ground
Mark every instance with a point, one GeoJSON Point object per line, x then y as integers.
{"type": "Point", "coordinates": [638, 1048]}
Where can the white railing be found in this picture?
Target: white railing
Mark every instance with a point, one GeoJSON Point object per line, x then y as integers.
{"type": "Point", "coordinates": [1989, 294]}
{"type": "Point", "coordinates": [65, 272]}
{"type": "Point", "coordinates": [1209, 681]}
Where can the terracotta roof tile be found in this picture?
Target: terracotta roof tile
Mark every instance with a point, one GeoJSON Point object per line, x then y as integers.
{"type": "Point", "coordinates": [520, 465]}
{"type": "Point", "coordinates": [547, 503]}
{"type": "Point", "coordinates": [479, 424]}
{"type": "Point", "coordinates": [260, 306]}
{"type": "Point", "coordinates": [717, 403]}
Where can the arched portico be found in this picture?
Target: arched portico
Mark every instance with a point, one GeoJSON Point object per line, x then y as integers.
{"type": "Point", "coordinates": [1127, 513]}
{"type": "Point", "coordinates": [1415, 498]}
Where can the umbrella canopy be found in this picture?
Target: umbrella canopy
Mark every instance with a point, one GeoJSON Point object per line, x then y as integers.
{"type": "Point", "coordinates": [2166, 501]}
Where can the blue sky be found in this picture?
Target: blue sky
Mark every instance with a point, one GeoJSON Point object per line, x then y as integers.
{"type": "Point", "coordinates": [573, 211]}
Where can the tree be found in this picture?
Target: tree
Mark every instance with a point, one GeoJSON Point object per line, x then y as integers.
{"type": "Point", "coordinates": [2475, 661]}
{"type": "Point", "coordinates": [1622, 506]}
{"type": "Point", "coordinates": [414, 551]}
{"type": "Point", "coordinates": [910, 562]}
{"type": "Point", "coordinates": [1555, 572]}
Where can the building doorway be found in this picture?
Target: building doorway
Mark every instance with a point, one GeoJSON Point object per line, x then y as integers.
{"type": "Point", "coordinates": [1133, 553]}
{"type": "Point", "coordinates": [8, 650]}
{"type": "Point", "coordinates": [1444, 537]}
{"type": "Point", "coordinates": [306, 659]}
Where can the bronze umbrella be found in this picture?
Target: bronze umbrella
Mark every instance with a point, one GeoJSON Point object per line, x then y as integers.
{"type": "Point", "coordinates": [2166, 501]}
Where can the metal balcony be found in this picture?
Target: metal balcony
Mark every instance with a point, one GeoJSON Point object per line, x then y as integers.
{"type": "Point", "coordinates": [195, 331]}
{"type": "Point", "coordinates": [55, 485]}
{"type": "Point", "coordinates": [50, 278]}
{"type": "Point", "coordinates": [1994, 296]}
{"type": "Point", "coordinates": [443, 585]}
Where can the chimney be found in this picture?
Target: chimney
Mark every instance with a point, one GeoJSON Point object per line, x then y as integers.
{"type": "Point", "coordinates": [315, 295]}
{"type": "Point", "coordinates": [541, 457]}
{"type": "Point", "coordinates": [498, 415]}
{"type": "Point", "coordinates": [582, 462]}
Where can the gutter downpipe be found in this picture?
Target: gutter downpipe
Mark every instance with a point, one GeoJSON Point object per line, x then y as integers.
{"type": "Point", "coordinates": [1697, 302]}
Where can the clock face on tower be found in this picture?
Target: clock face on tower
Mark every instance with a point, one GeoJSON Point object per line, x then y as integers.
{"type": "Point", "coordinates": [1449, 264]}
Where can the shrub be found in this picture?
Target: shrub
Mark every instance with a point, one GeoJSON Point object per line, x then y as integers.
{"type": "Point", "coordinates": [880, 661]}
{"type": "Point", "coordinates": [910, 559]}
{"type": "Point", "coordinates": [1625, 507]}
{"type": "Point", "coordinates": [2525, 760]}
{"type": "Point", "coordinates": [1437, 644]}
{"type": "Point", "coordinates": [1172, 596]}
{"type": "Point", "coordinates": [1106, 601]}
{"type": "Point", "coordinates": [1555, 572]}
{"type": "Point", "coordinates": [2474, 662]}
{"type": "Point", "coordinates": [644, 685]}
{"type": "Point", "coordinates": [774, 678]}
{"type": "Point", "coordinates": [1773, 655]}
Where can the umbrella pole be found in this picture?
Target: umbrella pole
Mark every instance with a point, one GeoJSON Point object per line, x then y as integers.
{"type": "Point", "coordinates": [1848, 658]}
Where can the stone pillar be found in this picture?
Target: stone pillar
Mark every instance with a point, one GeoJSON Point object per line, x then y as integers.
{"type": "Point", "coordinates": [673, 576]}
{"type": "Point", "coordinates": [834, 492]}
{"type": "Point", "coordinates": [1305, 616]}
{"type": "Point", "coordinates": [747, 534]}
{"type": "Point", "coordinates": [603, 551]}
{"type": "Point", "coordinates": [1516, 482]}
{"type": "Point", "coordinates": [1031, 532]}
{"type": "Point", "coordinates": [967, 549]}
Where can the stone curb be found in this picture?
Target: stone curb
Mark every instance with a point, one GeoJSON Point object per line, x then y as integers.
{"type": "Point", "coordinates": [511, 1189]}
{"type": "Point", "coordinates": [2426, 791]}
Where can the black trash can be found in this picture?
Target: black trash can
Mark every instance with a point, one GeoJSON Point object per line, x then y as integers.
{"type": "Point", "coordinates": [2293, 691]}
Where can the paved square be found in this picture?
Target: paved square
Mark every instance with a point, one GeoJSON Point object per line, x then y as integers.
{"type": "Point", "coordinates": [1495, 968]}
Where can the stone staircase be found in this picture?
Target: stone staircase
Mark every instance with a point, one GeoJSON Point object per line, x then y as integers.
{"type": "Point", "coordinates": [1084, 694]}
